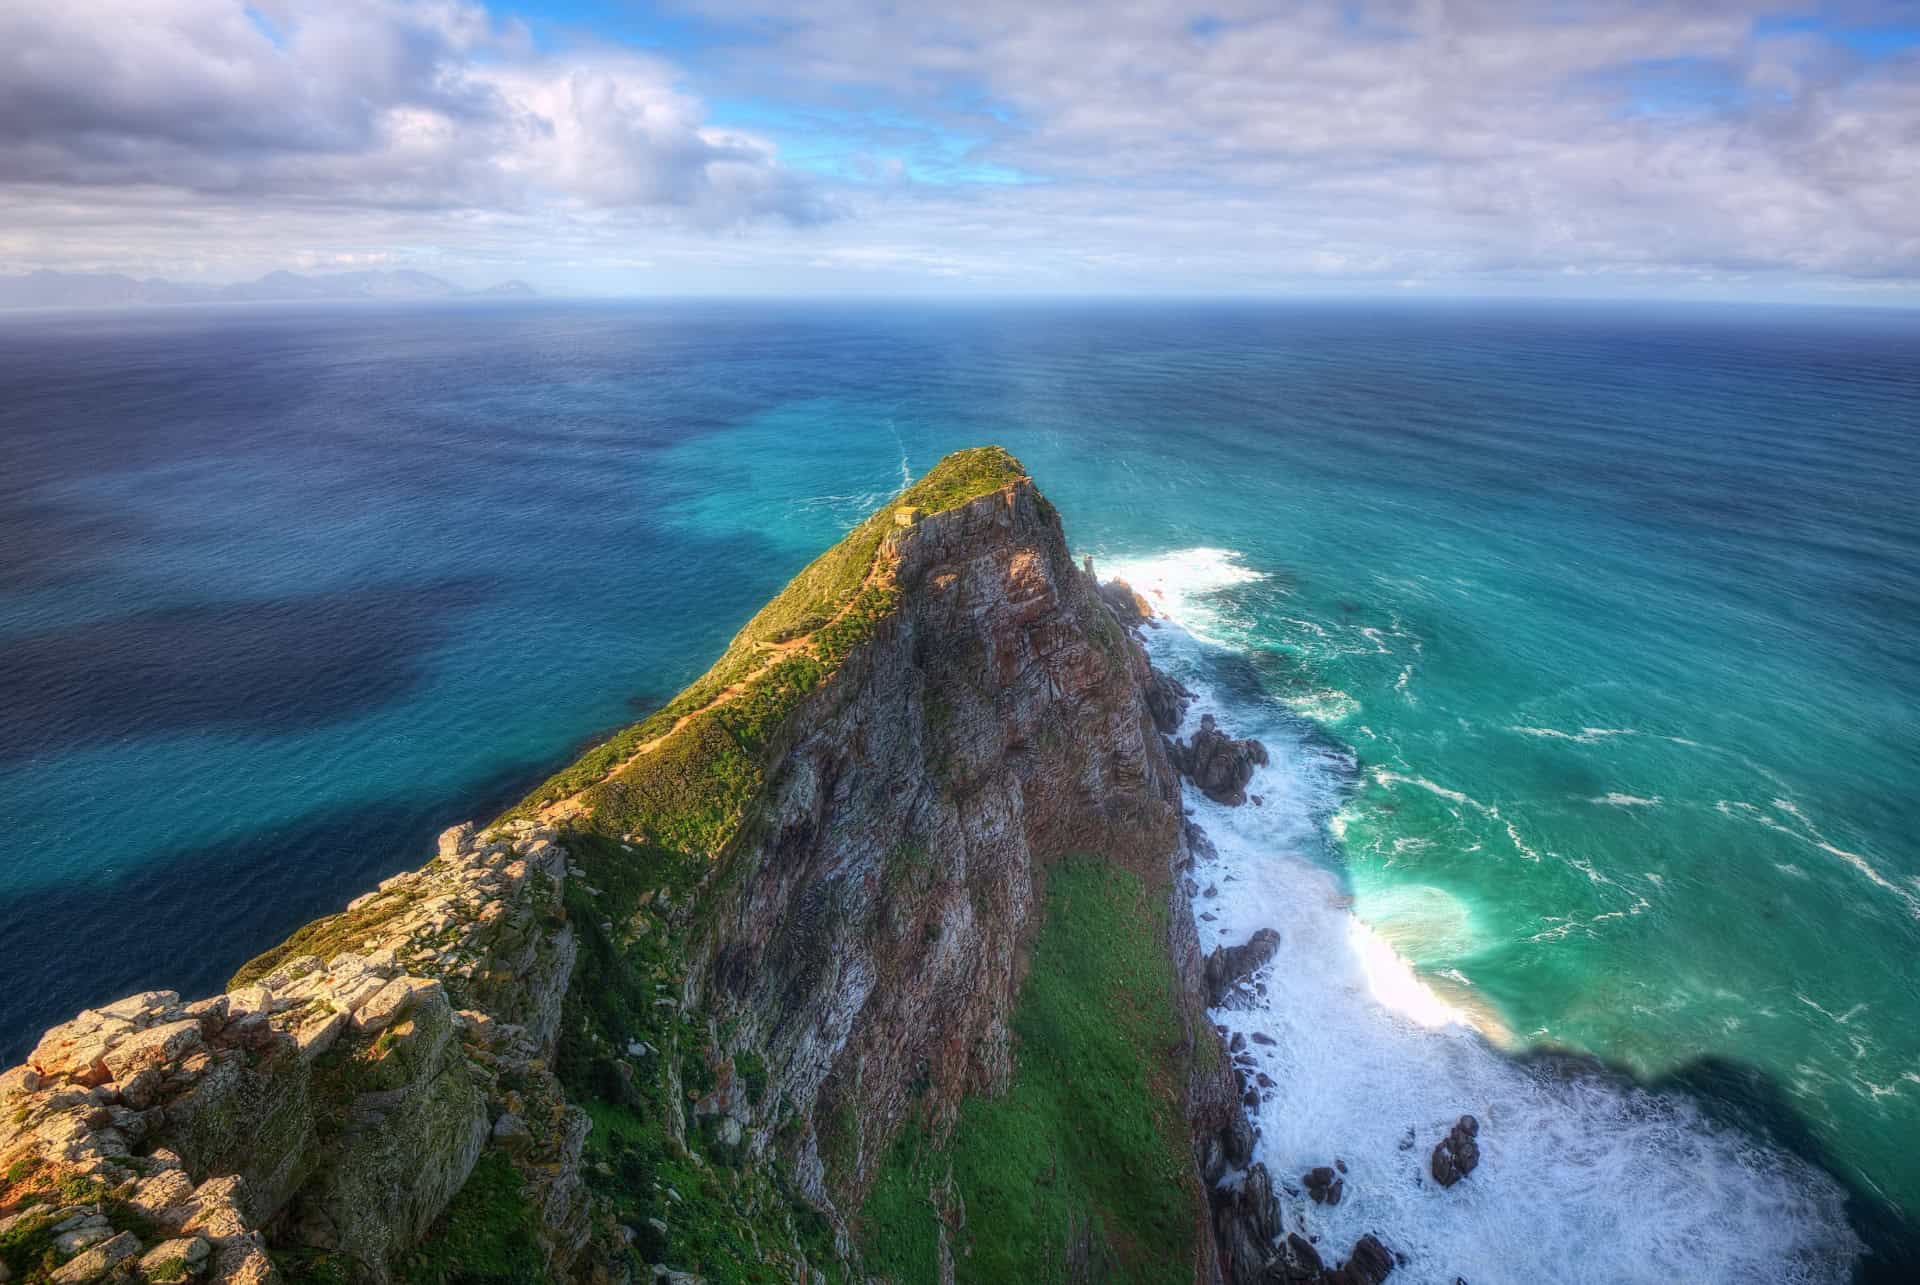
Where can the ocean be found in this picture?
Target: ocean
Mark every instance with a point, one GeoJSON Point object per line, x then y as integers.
{"type": "Point", "coordinates": [1583, 637]}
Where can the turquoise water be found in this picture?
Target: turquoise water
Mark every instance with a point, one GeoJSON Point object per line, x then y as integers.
{"type": "Point", "coordinates": [1590, 631]}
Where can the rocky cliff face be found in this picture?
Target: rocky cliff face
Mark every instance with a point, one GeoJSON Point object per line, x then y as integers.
{"type": "Point", "coordinates": [335, 1100]}
{"type": "Point", "coordinates": [870, 948]}
{"type": "Point", "coordinates": [684, 1027]}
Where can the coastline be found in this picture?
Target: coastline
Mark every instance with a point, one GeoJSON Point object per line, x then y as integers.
{"type": "Point", "coordinates": [1575, 1099]}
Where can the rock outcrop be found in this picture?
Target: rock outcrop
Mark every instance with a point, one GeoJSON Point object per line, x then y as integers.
{"type": "Point", "coordinates": [1128, 607]}
{"type": "Point", "coordinates": [1229, 968]}
{"type": "Point", "coordinates": [1218, 765]}
{"type": "Point", "coordinates": [335, 1100]}
{"type": "Point", "coordinates": [817, 900]}
{"type": "Point", "coordinates": [1458, 1154]}
{"type": "Point", "coordinates": [1167, 701]}
{"type": "Point", "coordinates": [1257, 1249]}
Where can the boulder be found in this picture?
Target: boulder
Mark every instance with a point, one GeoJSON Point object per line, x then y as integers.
{"type": "Point", "coordinates": [456, 840]}
{"type": "Point", "coordinates": [177, 1260]}
{"type": "Point", "coordinates": [1368, 1264]}
{"type": "Point", "coordinates": [1456, 1155]}
{"type": "Point", "coordinates": [1128, 606]}
{"type": "Point", "coordinates": [1166, 700]}
{"type": "Point", "coordinates": [1324, 1185]}
{"type": "Point", "coordinates": [157, 1046]}
{"type": "Point", "coordinates": [98, 1261]}
{"type": "Point", "coordinates": [511, 1132]}
{"type": "Point", "coordinates": [1217, 763]}
{"type": "Point", "coordinates": [1228, 966]}
{"type": "Point", "coordinates": [385, 1006]}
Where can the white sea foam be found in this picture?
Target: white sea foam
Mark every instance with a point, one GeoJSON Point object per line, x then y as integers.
{"type": "Point", "coordinates": [1585, 736]}
{"type": "Point", "coordinates": [1615, 799]}
{"type": "Point", "coordinates": [1183, 585]}
{"type": "Point", "coordinates": [1582, 1179]}
{"type": "Point", "coordinates": [1799, 826]}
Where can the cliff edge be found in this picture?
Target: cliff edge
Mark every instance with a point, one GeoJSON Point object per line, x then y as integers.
{"type": "Point", "coordinates": [867, 954]}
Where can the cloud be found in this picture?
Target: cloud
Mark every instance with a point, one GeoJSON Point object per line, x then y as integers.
{"type": "Point", "coordinates": [1001, 145]}
{"type": "Point", "coordinates": [1428, 137]}
{"type": "Point", "coordinates": [369, 103]}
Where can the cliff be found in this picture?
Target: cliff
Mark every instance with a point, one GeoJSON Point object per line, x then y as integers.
{"type": "Point", "coordinates": [868, 953]}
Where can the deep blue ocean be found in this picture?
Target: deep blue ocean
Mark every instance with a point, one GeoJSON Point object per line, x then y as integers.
{"type": "Point", "coordinates": [1586, 637]}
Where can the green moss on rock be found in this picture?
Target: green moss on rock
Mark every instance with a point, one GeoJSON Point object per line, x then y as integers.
{"type": "Point", "coordinates": [690, 791]}
{"type": "Point", "coordinates": [489, 1235]}
{"type": "Point", "coordinates": [1088, 1144]}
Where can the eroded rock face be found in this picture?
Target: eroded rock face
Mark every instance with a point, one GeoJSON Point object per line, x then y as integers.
{"type": "Point", "coordinates": [1458, 1154]}
{"type": "Point", "coordinates": [1217, 764]}
{"type": "Point", "coordinates": [1256, 1248]}
{"type": "Point", "coordinates": [869, 949]}
{"type": "Point", "coordinates": [1229, 967]}
{"type": "Point", "coordinates": [337, 1098]}
{"type": "Point", "coordinates": [997, 721]}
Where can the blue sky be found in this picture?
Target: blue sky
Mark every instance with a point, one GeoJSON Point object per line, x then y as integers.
{"type": "Point", "coordinates": [1574, 147]}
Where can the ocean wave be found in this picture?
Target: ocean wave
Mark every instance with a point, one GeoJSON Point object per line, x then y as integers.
{"type": "Point", "coordinates": [1615, 799]}
{"type": "Point", "coordinates": [1370, 1060]}
{"type": "Point", "coordinates": [1388, 777]}
{"type": "Point", "coordinates": [1806, 832]}
{"type": "Point", "coordinates": [1585, 736]}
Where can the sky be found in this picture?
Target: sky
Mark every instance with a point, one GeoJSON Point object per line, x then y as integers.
{"type": "Point", "coordinates": [1587, 148]}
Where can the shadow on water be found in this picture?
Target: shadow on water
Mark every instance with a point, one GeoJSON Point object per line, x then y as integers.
{"type": "Point", "coordinates": [1741, 1096]}
{"type": "Point", "coordinates": [187, 920]}
{"type": "Point", "coordinates": [266, 665]}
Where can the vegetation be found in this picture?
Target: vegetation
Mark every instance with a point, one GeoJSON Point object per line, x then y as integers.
{"type": "Point", "coordinates": [1089, 1137]}
{"type": "Point", "coordinates": [324, 937]}
{"type": "Point", "coordinates": [487, 1236]}
{"type": "Point", "coordinates": [28, 1253]}
{"type": "Point", "coordinates": [691, 790]}
{"type": "Point", "coordinates": [656, 1165]}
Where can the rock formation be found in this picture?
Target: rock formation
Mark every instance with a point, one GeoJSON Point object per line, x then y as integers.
{"type": "Point", "coordinates": [1229, 967]}
{"type": "Point", "coordinates": [1218, 765]}
{"type": "Point", "coordinates": [1458, 1154]}
{"type": "Point", "coordinates": [675, 1009]}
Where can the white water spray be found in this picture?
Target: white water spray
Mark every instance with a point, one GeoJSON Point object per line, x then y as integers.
{"type": "Point", "coordinates": [1582, 1178]}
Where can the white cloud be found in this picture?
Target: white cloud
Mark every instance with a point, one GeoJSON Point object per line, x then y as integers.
{"type": "Point", "coordinates": [1301, 145]}
{"type": "Point", "coordinates": [371, 105]}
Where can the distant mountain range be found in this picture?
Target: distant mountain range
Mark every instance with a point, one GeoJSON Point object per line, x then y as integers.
{"type": "Point", "coordinates": [45, 289]}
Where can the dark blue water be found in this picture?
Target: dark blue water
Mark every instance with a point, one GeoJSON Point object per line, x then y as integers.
{"type": "Point", "coordinates": [1606, 616]}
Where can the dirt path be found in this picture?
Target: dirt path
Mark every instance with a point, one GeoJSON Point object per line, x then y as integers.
{"type": "Point", "coordinates": [574, 804]}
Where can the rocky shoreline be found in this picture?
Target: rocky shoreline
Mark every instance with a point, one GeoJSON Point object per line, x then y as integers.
{"type": "Point", "coordinates": [614, 1058]}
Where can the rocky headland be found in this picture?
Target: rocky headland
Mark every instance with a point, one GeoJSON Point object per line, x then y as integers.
{"type": "Point", "coordinates": [868, 957]}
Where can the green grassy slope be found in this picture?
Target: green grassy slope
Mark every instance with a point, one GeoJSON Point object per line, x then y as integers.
{"type": "Point", "coordinates": [1089, 1137]}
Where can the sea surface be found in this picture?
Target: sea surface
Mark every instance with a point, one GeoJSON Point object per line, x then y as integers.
{"type": "Point", "coordinates": [1584, 639]}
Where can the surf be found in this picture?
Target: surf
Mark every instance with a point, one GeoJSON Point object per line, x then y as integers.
{"type": "Point", "coordinates": [1359, 1056]}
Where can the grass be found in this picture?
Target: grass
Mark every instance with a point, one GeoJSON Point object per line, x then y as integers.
{"type": "Point", "coordinates": [1089, 1133]}
{"type": "Point", "coordinates": [489, 1235]}
{"type": "Point", "coordinates": [27, 1249]}
{"type": "Point", "coordinates": [691, 791]}
{"type": "Point", "coordinates": [324, 937]}
{"type": "Point", "coordinates": [731, 1225]}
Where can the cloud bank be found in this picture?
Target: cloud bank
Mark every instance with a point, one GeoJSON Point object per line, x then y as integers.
{"type": "Point", "coordinates": [1006, 145]}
